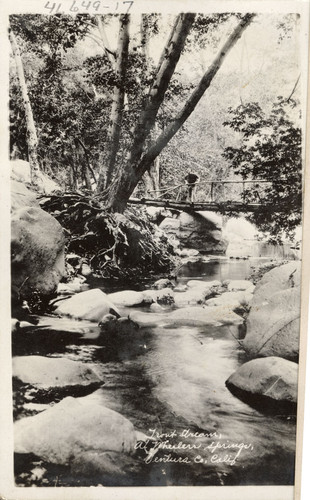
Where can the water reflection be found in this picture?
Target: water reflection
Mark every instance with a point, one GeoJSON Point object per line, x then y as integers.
{"type": "Point", "coordinates": [174, 379]}
{"type": "Point", "coordinates": [218, 269]}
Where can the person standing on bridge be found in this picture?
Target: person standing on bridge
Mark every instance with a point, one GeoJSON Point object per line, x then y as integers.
{"type": "Point", "coordinates": [191, 181]}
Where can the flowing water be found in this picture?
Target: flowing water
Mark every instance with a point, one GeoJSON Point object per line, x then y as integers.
{"type": "Point", "coordinates": [170, 382]}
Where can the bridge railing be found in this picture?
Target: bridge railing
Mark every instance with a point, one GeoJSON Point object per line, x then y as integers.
{"type": "Point", "coordinates": [217, 191]}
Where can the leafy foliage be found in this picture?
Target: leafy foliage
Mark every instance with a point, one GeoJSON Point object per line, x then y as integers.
{"type": "Point", "coordinates": [269, 149]}
{"type": "Point", "coordinates": [18, 145]}
{"type": "Point", "coordinates": [55, 99]}
{"type": "Point", "coordinates": [206, 29]}
{"type": "Point", "coordinates": [71, 96]}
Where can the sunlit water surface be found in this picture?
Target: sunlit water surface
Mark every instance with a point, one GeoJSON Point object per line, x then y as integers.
{"type": "Point", "coordinates": [172, 381]}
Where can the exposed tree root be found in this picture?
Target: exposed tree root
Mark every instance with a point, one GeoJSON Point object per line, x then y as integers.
{"type": "Point", "coordinates": [115, 245]}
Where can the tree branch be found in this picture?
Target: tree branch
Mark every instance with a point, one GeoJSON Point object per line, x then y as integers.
{"type": "Point", "coordinates": [168, 62]}
{"type": "Point", "coordinates": [294, 88]}
{"type": "Point", "coordinates": [32, 138]}
{"type": "Point", "coordinates": [117, 103]}
{"type": "Point", "coordinates": [192, 102]}
{"type": "Point", "coordinates": [104, 38]}
{"type": "Point", "coordinates": [87, 158]}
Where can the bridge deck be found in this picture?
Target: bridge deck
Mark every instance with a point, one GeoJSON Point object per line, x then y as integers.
{"type": "Point", "coordinates": [227, 206]}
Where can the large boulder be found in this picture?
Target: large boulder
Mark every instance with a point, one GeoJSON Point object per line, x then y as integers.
{"type": "Point", "coordinates": [21, 196]}
{"type": "Point", "coordinates": [119, 327]}
{"type": "Point", "coordinates": [51, 373]}
{"type": "Point", "coordinates": [191, 297]}
{"type": "Point", "coordinates": [65, 432]}
{"type": "Point", "coordinates": [171, 226]}
{"type": "Point", "coordinates": [163, 296]}
{"type": "Point", "coordinates": [91, 305]}
{"type": "Point", "coordinates": [127, 298]}
{"type": "Point", "coordinates": [188, 316]}
{"type": "Point", "coordinates": [266, 380]}
{"type": "Point", "coordinates": [273, 322]}
{"type": "Point", "coordinates": [74, 286]}
{"type": "Point", "coordinates": [236, 285]}
{"type": "Point", "coordinates": [163, 283]}
{"type": "Point", "coordinates": [37, 246]}
{"type": "Point", "coordinates": [150, 319]}
{"type": "Point", "coordinates": [157, 214]}
{"type": "Point", "coordinates": [203, 284]}
{"type": "Point", "coordinates": [200, 316]}
{"type": "Point", "coordinates": [195, 295]}
{"type": "Point", "coordinates": [273, 327]}
{"type": "Point", "coordinates": [232, 299]}
{"type": "Point", "coordinates": [245, 241]}
{"type": "Point", "coordinates": [279, 278]}
{"type": "Point", "coordinates": [189, 252]}
{"type": "Point", "coordinates": [199, 230]}
{"type": "Point", "coordinates": [20, 171]}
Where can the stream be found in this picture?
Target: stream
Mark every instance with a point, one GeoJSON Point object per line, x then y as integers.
{"type": "Point", "coordinates": [170, 383]}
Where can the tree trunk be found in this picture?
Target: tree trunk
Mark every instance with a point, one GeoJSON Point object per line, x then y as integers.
{"type": "Point", "coordinates": [124, 184]}
{"type": "Point", "coordinates": [105, 41]}
{"type": "Point", "coordinates": [169, 60]}
{"type": "Point", "coordinates": [192, 102]}
{"type": "Point", "coordinates": [32, 139]}
{"type": "Point", "coordinates": [117, 105]}
{"type": "Point", "coordinates": [121, 189]}
{"type": "Point", "coordinates": [155, 169]}
{"type": "Point", "coordinates": [72, 177]}
{"type": "Point", "coordinates": [148, 185]}
{"type": "Point", "coordinates": [151, 176]}
{"type": "Point", "coordinates": [133, 171]}
{"type": "Point", "coordinates": [151, 179]}
{"type": "Point", "coordinates": [155, 173]}
{"type": "Point", "coordinates": [87, 177]}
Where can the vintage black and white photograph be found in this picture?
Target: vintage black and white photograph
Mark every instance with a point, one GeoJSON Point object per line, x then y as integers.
{"type": "Point", "coordinates": [156, 163]}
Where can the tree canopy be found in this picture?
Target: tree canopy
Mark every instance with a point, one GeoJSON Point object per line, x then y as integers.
{"type": "Point", "coordinates": [269, 149]}
{"type": "Point", "coordinates": [114, 95]}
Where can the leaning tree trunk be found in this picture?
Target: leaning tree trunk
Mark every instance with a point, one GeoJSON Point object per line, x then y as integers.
{"type": "Point", "coordinates": [148, 185]}
{"type": "Point", "coordinates": [151, 180]}
{"type": "Point", "coordinates": [192, 102]}
{"type": "Point", "coordinates": [105, 41]}
{"type": "Point", "coordinates": [151, 177]}
{"type": "Point", "coordinates": [155, 174]}
{"type": "Point", "coordinates": [32, 139]}
{"type": "Point", "coordinates": [137, 165]}
{"type": "Point", "coordinates": [169, 60]}
{"type": "Point", "coordinates": [128, 177]}
{"type": "Point", "coordinates": [111, 148]}
{"type": "Point", "coordinates": [154, 169]}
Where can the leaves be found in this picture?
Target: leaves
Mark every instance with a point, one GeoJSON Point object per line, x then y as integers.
{"type": "Point", "coordinates": [71, 95]}
{"type": "Point", "coordinates": [270, 150]}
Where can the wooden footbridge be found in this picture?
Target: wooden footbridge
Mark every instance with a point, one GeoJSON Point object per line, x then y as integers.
{"type": "Point", "coordinates": [217, 198]}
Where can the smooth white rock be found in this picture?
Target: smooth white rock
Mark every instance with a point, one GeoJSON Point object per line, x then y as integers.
{"type": "Point", "coordinates": [126, 298]}
{"type": "Point", "coordinates": [91, 305]}
{"type": "Point", "coordinates": [65, 432]}
{"type": "Point", "coordinates": [45, 373]}
{"type": "Point", "coordinates": [236, 285]}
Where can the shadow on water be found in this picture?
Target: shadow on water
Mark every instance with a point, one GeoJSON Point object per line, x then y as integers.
{"type": "Point", "coordinates": [218, 269]}
{"type": "Point", "coordinates": [173, 381]}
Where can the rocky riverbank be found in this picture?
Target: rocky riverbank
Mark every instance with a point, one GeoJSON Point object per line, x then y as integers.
{"type": "Point", "coordinates": [59, 406]}
{"type": "Point", "coordinates": [54, 392]}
